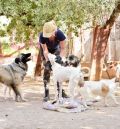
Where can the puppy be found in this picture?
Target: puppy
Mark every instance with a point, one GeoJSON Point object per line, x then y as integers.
{"type": "Point", "coordinates": [103, 88]}
{"type": "Point", "coordinates": [68, 73]}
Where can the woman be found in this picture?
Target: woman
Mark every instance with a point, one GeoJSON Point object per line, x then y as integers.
{"type": "Point", "coordinates": [52, 40]}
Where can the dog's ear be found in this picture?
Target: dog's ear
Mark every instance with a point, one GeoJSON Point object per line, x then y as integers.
{"type": "Point", "coordinates": [17, 60]}
{"type": "Point", "coordinates": [28, 54]}
{"type": "Point", "coordinates": [58, 60]}
{"type": "Point", "coordinates": [78, 62]}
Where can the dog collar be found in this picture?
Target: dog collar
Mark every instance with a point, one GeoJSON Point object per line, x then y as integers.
{"type": "Point", "coordinates": [22, 68]}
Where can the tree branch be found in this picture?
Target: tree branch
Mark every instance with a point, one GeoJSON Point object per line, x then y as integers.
{"type": "Point", "coordinates": [113, 16]}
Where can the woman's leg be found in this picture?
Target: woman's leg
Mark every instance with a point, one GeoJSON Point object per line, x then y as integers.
{"type": "Point", "coordinates": [46, 80]}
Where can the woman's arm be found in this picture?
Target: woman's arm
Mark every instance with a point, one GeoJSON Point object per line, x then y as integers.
{"type": "Point", "coordinates": [45, 51]}
{"type": "Point", "coordinates": [62, 48]}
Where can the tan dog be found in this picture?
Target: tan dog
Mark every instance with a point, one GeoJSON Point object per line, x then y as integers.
{"type": "Point", "coordinates": [13, 74]}
{"type": "Point", "coordinates": [103, 88]}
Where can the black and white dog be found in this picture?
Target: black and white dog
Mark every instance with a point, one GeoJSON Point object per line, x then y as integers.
{"type": "Point", "coordinates": [70, 60]}
{"type": "Point", "coordinates": [65, 73]}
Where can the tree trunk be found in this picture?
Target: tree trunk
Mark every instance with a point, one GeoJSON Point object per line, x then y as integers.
{"type": "Point", "coordinates": [38, 68]}
{"type": "Point", "coordinates": [100, 43]}
{"type": "Point", "coordinates": [0, 48]}
{"type": "Point", "coordinates": [99, 46]}
{"type": "Point", "coordinates": [69, 43]}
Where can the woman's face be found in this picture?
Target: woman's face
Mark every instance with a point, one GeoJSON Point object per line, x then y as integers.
{"type": "Point", "coordinates": [52, 36]}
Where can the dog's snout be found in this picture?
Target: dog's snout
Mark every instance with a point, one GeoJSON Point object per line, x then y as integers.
{"type": "Point", "coordinates": [28, 54]}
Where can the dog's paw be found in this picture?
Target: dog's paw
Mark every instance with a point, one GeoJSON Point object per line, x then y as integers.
{"type": "Point", "coordinates": [45, 99]}
{"type": "Point", "coordinates": [21, 100]}
{"type": "Point", "coordinates": [106, 105]}
{"type": "Point", "coordinates": [24, 100]}
{"type": "Point", "coordinates": [60, 100]}
{"type": "Point", "coordinates": [54, 101]}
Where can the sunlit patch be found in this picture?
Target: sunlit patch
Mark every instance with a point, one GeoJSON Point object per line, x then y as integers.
{"type": "Point", "coordinates": [2, 120]}
{"type": "Point", "coordinates": [22, 105]}
{"type": "Point", "coordinates": [86, 127]}
{"type": "Point", "coordinates": [100, 112]}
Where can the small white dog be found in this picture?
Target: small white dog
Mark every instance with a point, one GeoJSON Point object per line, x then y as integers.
{"type": "Point", "coordinates": [68, 73]}
{"type": "Point", "coordinates": [103, 88]}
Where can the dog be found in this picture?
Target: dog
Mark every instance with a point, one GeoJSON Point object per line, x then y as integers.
{"type": "Point", "coordinates": [103, 88]}
{"type": "Point", "coordinates": [65, 73]}
{"type": "Point", "coordinates": [13, 74]}
{"type": "Point", "coordinates": [117, 73]}
{"type": "Point", "coordinates": [7, 91]}
{"type": "Point", "coordinates": [70, 60]}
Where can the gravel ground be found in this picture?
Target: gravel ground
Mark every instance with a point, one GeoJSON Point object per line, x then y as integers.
{"type": "Point", "coordinates": [31, 115]}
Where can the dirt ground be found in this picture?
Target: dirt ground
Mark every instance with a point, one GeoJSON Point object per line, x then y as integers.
{"type": "Point", "coordinates": [31, 115]}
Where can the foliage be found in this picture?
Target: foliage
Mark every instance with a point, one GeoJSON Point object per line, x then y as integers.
{"type": "Point", "coordinates": [27, 15]}
{"type": "Point", "coordinates": [6, 47]}
{"type": "Point", "coordinates": [2, 33]}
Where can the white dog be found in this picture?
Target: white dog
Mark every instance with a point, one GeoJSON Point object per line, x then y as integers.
{"type": "Point", "coordinates": [68, 73]}
{"type": "Point", "coordinates": [103, 88]}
